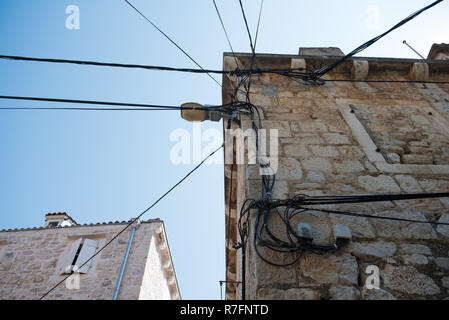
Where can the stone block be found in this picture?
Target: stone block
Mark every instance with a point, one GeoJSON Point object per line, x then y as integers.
{"type": "Point", "coordinates": [408, 184]}
{"type": "Point", "coordinates": [360, 69]}
{"type": "Point", "coordinates": [344, 293]}
{"type": "Point", "coordinates": [302, 294]}
{"type": "Point", "coordinates": [324, 151]}
{"type": "Point", "coordinates": [442, 263]}
{"type": "Point", "coordinates": [403, 230]}
{"type": "Point", "coordinates": [415, 259]}
{"type": "Point", "coordinates": [317, 164]}
{"type": "Point", "coordinates": [409, 248]}
{"type": "Point", "coordinates": [376, 294]}
{"type": "Point", "coordinates": [379, 249]}
{"type": "Point", "coordinates": [379, 184]}
{"type": "Point", "coordinates": [330, 269]}
{"type": "Point", "coordinates": [408, 280]}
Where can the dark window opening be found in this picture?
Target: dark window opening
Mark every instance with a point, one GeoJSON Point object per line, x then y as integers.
{"type": "Point", "coordinates": [76, 258]}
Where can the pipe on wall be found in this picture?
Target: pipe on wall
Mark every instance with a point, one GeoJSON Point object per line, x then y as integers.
{"type": "Point", "coordinates": [125, 260]}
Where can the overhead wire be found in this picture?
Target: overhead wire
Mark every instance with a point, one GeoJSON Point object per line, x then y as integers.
{"type": "Point", "coordinates": [319, 73]}
{"type": "Point", "coordinates": [110, 103]}
{"type": "Point", "coordinates": [171, 40]}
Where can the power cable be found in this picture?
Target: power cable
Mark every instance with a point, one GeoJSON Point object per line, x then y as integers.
{"type": "Point", "coordinates": [247, 27]}
{"type": "Point", "coordinates": [319, 73]}
{"type": "Point", "coordinates": [84, 109]}
{"type": "Point", "coordinates": [359, 215]}
{"type": "Point", "coordinates": [108, 103]}
{"type": "Point", "coordinates": [172, 41]}
{"type": "Point", "coordinates": [258, 24]}
{"type": "Point", "coordinates": [136, 219]}
{"type": "Point", "coordinates": [226, 33]}
{"type": "Point", "coordinates": [146, 67]}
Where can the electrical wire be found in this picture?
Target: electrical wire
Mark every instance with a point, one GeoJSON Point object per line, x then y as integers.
{"type": "Point", "coordinates": [84, 109]}
{"type": "Point", "coordinates": [136, 219]}
{"type": "Point", "coordinates": [258, 24]}
{"type": "Point", "coordinates": [237, 72]}
{"type": "Point", "coordinates": [247, 27]}
{"type": "Point", "coordinates": [172, 41]}
{"type": "Point", "coordinates": [319, 73]}
{"type": "Point", "coordinates": [359, 215]}
{"type": "Point", "coordinates": [294, 245]}
{"type": "Point", "coordinates": [226, 33]}
{"type": "Point", "coordinates": [109, 103]}
{"type": "Point", "coordinates": [386, 81]}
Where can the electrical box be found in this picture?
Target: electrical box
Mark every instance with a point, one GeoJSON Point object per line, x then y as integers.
{"type": "Point", "coordinates": [305, 231]}
{"type": "Point", "coordinates": [342, 232]}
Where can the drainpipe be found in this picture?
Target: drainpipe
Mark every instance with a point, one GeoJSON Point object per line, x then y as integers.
{"type": "Point", "coordinates": [125, 260]}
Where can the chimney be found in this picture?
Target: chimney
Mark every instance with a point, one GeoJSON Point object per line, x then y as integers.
{"type": "Point", "coordinates": [439, 52]}
{"type": "Point", "coordinates": [59, 219]}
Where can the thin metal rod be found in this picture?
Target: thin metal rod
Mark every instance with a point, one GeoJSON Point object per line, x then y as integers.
{"type": "Point", "coordinates": [125, 259]}
{"type": "Point", "coordinates": [405, 42]}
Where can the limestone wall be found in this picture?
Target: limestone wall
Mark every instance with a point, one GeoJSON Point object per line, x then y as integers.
{"type": "Point", "coordinates": [30, 263]}
{"type": "Point", "coordinates": [401, 149]}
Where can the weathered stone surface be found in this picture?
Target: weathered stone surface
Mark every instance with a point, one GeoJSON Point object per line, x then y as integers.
{"type": "Point", "coordinates": [376, 294]}
{"type": "Point", "coordinates": [408, 280]}
{"type": "Point", "coordinates": [408, 184]}
{"type": "Point", "coordinates": [415, 259]}
{"type": "Point", "coordinates": [336, 138]}
{"type": "Point", "coordinates": [302, 294]}
{"type": "Point", "coordinates": [347, 166]}
{"type": "Point", "coordinates": [283, 127]}
{"type": "Point", "coordinates": [352, 152]}
{"type": "Point", "coordinates": [271, 294]}
{"type": "Point", "coordinates": [434, 185]}
{"type": "Point", "coordinates": [268, 275]}
{"type": "Point", "coordinates": [314, 176]}
{"type": "Point", "coordinates": [310, 126]}
{"type": "Point", "coordinates": [317, 164]}
{"type": "Point", "coordinates": [296, 150]}
{"type": "Point", "coordinates": [445, 282]}
{"type": "Point", "coordinates": [444, 229]}
{"type": "Point", "coordinates": [394, 157]}
{"type": "Point", "coordinates": [344, 293]}
{"type": "Point", "coordinates": [380, 249]}
{"type": "Point", "coordinates": [359, 227]}
{"type": "Point", "coordinates": [417, 159]}
{"type": "Point", "coordinates": [370, 167]}
{"type": "Point", "coordinates": [324, 151]}
{"type": "Point", "coordinates": [330, 269]}
{"type": "Point", "coordinates": [289, 169]}
{"type": "Point", "coordinates": [379, 184]}
{"type": "Point", "coordinates": [442, 263]}
{"type": "Point", "coordinates": [415, 248]}
{"type": "Point", "coordinates": [280, 190]}
{"type": "Point", "coordinates": [400, 229]}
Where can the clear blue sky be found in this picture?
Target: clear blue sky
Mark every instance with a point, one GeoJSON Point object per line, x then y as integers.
{"type": "Point", "coordinates": [101, 166]}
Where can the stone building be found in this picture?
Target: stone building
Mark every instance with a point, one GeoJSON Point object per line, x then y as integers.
{"type": "Point", "coordinates": [32, 261]}
{"type": "Point", "coordinates": [349, 137]}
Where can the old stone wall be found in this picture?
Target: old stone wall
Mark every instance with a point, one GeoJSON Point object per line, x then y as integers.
{"type": "Point", "coordinates": [30, 263]}
{"type": "Point", "coordinates": [345, 138]}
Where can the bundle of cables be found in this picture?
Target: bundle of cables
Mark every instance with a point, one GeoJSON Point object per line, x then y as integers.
{"type": "Point", "coordinates": [296, 242]}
